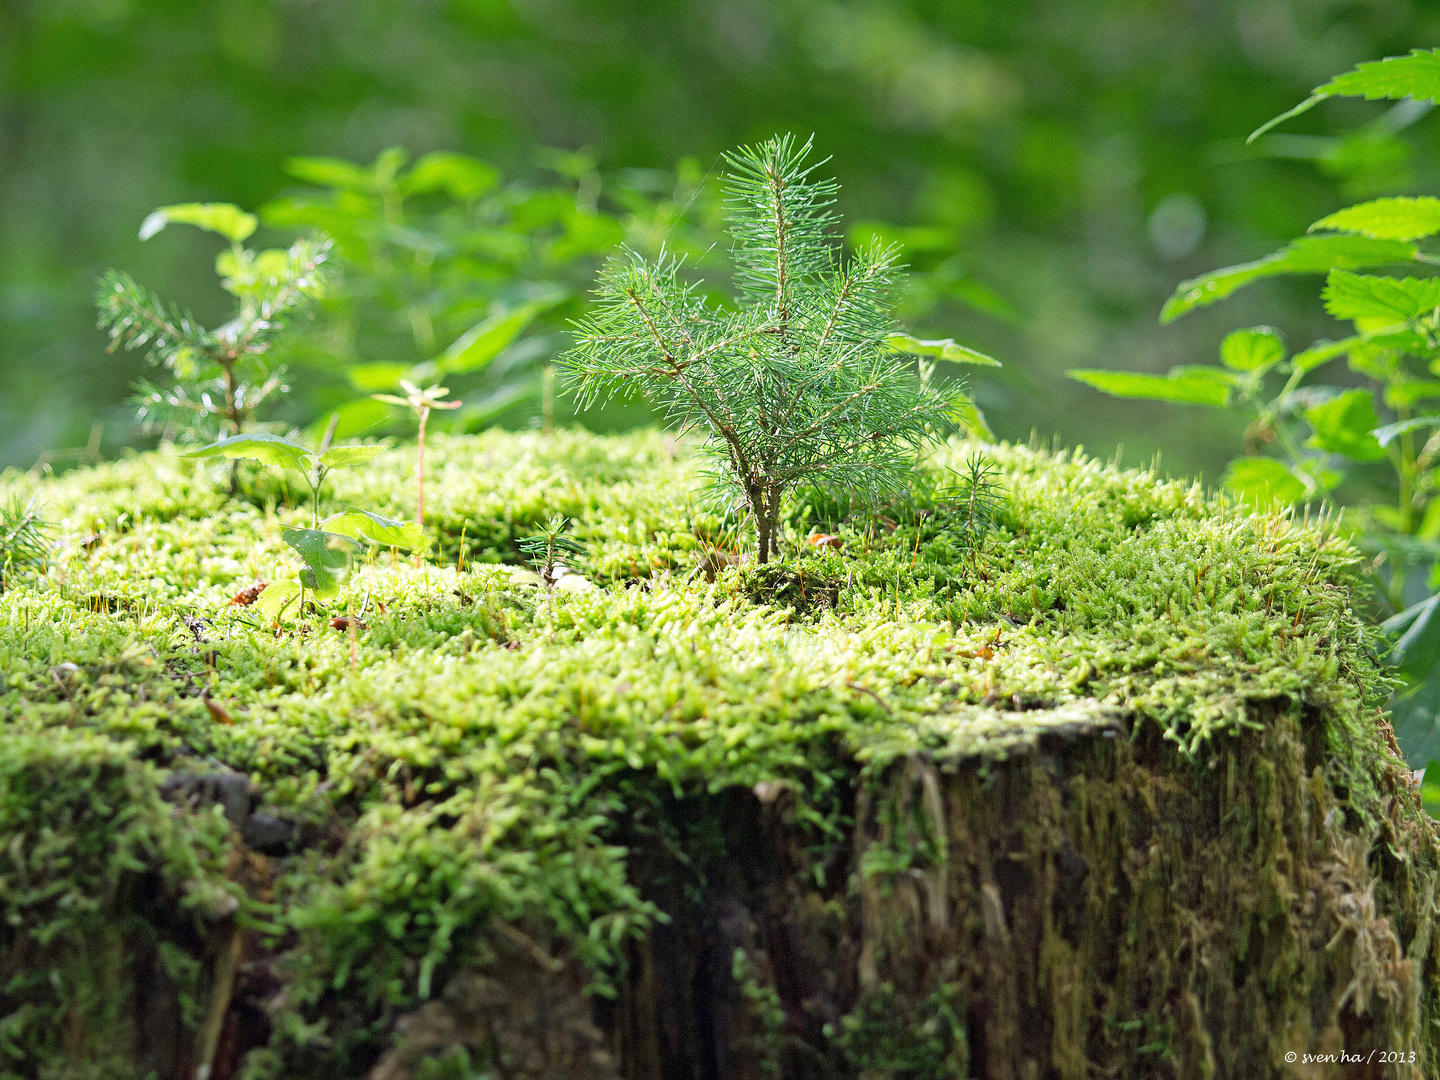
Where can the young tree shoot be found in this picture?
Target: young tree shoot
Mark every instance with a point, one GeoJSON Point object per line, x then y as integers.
{"type": "Point", "coordinates": [221, 376]}
{"type": "Point", "coordinates": [24, 540]}
{"type": "Point", "coordinates": [328, 547]}
{"type": "Point", "coordinates": [547, 547]}
{"type": "Point", "coordinates": [797, 382]}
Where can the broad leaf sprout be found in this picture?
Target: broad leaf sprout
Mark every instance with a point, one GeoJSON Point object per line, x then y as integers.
{"type": "Point", "coordinates": [328, 547]}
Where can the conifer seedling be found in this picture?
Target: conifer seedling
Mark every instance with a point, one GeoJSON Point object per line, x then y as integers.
{"type": "Point", "coordinates": [24, 539]}
{"type": "Point", "coordinates": [220, 376]}
{"type": "Point", "coordinates": [799, 381]}
{"type": "Point", "coordinates": [549, 545]}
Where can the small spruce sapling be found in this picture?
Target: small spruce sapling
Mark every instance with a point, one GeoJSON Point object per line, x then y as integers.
{"type": "Point", "coordinates": [24, 540]}
{"type": "Point", "coordinates": [977, 505]}
{"type": "Point", "coordinates": [221, 376]}
{"type": "Point", "coordinates": [547, 547]}
{"type": "Point", "coordinates": [799, 382]}
{"type": "Point", "coordinates": [328, 547]}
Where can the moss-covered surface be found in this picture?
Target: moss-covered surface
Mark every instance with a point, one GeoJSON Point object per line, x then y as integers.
{"type": "Point", "coordinates": [1113, 797]}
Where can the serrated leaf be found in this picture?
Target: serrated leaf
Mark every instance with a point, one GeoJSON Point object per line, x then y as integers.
{"type": "Point", "coordinates": [326, 556]}
{"type": "Point", "coordinates": [1366, 296]}
{"type": "Point", "coordinates": [1416, 76]}
{"type": "Point", "coordinates": [1254, 349]}
{"type": "Point", "coordinates": [278, 595]}
{"type": "Point", "coordinates": [1322, 352]}
{"type": "Point", "coordinates": [1307, 255]}
{"type": "Point", "coordinates": [485, 340]}
{"type": "Point", "coordinates": [269, 450]}
{"type": "Point", "coordinates": [227, 219]}
{"type": "Point", "coordinates": [342, 457]}
{"type": "Point", "coordinates": [1187, 385]}
{"type": "Point", "coordinates": [940, 349]}
{"type": "Point", "coordinates": [363, 525]}
{"type": "Point", "coordinates": [1399, 218]}
{"type": "Point", "coordinates": [1263, 481]}
{"type": "Point", "coordinates": [1345, 425]}
{"type": "Point", "coordinates": [1390, 432]}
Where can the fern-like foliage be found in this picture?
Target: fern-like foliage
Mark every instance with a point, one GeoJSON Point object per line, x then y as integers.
{"type": "Point", "coordinates": [24, 539]}
{"type": "Point", "coordinates": [794, 382]}
{"type": "Point", "coordinates": [221, 375]}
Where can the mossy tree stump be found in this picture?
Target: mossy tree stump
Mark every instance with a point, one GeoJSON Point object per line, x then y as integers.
{"type": "Point", "coordinates": [1116, 798]}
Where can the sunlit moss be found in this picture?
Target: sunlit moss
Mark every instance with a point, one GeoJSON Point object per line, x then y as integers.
{"type": "Point", "coordinates": [467, 754]}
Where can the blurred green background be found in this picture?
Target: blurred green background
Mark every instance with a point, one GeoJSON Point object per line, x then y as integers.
{"type": "Point", "coordinates": [1054, 167]}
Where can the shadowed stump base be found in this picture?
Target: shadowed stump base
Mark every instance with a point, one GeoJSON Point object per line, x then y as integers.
{"type": "Point", "coordinates": [1088, 906]}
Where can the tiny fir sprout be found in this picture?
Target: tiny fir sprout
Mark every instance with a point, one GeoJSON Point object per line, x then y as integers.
{"type": "Point", "coordinates": [219, 377]}
{"type": "Point", "coordinates": [24, 540]}
{"type": "Point", "coordinates": [549, 545]}
{"type": "Point", "coordinates": [977, 505]}
{"type": "Point", "coordinates": [328, 547]}
{"type": "Point", "coordinates": [800, 381]}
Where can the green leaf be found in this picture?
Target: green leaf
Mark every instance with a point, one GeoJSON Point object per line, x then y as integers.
{"type": "Point", "coordinates": [1417, 634]}
{"type": "Point", "coordinates": [1406, 393]}
{"type": "Point", "coordinates": [358, 417]}
{"type": "Point", "coordinates": [342, 457]}
{"type": "Point", "coordinates": [278, 595]}
{"type": "Point", "coordinates": [227, 219]}
{"type": "Point", "coordinates": [1322, 352]}
{"type": "Point", "coordinates": [485, 340]}
{"type": "Point", "coordinates": [269, 450]}
{"type": "Point", "coordinates": [381, 375]}
{"type": "Point", "coordinates": [387, 532]}
{"type": "Point", "coordinates": [1365, 296]}
{"type": "Point", "coordinates": [941, 349]}
{"type": "Point", "coordinates": [326, 556]}
{"type": "Point", "coordinates": [479, 414]}
{"type": "Point", "coordinates": [1399, 218]}
{"type": "Point", "coordinates": [459, 176]}
{"type": "Point", "coordinates": [1307, 255]}
{"type": "Point", "coordinates": [1187, 385]}
{"type": "Point", "coordinates": [1390, 432]}
{"type": "Point", "coordinates": [1430, 788]}
{"type": "Point", "coordinates": [1255, 349]}
{"type": "Point", "coordinates": [1263, 481]}
{"type": "Point", "coordinates": [968, 415]}
{"type": "Point", "coordinates": [1416, 75]}
{"type": "Point", "coordinates": [331, 172]}
{"type": "Point", "coordinates": [1345, 425]}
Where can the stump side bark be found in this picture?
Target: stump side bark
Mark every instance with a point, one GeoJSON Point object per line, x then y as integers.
{"type": "Point", "coordinates": [1097, 907]}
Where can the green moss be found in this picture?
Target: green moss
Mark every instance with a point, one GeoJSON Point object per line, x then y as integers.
{"type": "Point", "coordinates": [464, 763]}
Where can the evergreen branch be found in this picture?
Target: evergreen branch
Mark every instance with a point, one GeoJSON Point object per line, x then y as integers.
{"type": "Point", "coordinates": [797, 382]}
{"type": "Point", "coordinates": [135, 318]}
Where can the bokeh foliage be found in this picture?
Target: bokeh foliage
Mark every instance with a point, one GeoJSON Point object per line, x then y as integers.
{"type": "Point", "coordinates": [1054, 168]}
